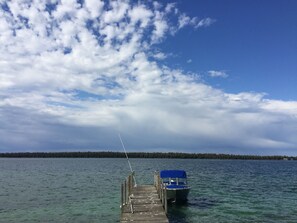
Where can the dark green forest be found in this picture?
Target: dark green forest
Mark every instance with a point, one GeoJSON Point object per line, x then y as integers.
{"type": "Point", "coordinates": [169, 155]}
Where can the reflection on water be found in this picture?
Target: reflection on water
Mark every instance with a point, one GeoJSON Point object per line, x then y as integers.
{"type": "Point", "coordinates": [178, 211]}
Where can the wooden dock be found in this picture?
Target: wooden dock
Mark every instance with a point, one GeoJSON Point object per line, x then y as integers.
{"type": "Point", "coordinates": [143, 203]}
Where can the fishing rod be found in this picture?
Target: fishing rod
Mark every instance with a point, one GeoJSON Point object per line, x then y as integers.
{"type": "Point", "coordinates": [128, 160]}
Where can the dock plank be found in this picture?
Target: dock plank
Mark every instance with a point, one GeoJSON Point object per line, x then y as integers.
{"type": "Point", "coordinates": [147, 207]}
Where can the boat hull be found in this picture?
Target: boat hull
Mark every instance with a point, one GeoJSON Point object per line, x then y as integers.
{"type": "Point", "coordinates": [177, 194]}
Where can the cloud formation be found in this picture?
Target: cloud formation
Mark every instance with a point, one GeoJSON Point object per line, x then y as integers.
{"type": "Point", "coordinates": [184, 20]}
{"type": "Point", "coordinates": [216, 73]}
{"type": "Point", "coordinates": [73, 74]}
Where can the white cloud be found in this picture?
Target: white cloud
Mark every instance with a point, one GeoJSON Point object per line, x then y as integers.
{"type": "Point", "coordinates": [160, 27]}
{"type": "Point", "coordinates": [116, 13]}
{"type": "Point", "coordinates": [185, 20]}
{"type": "Point", "coordinates": [76, 76]}
{"type": "Point", "coordinates": [170, 7]}
{"type": "Point", "coordinates": [95, 7]}
{"type": "Point", "coordinates": [140, 14]}
{"type": "Point", "coordinates": [216, 73]}
{"type": "Point", "coordinates": [159, 56]}
{"type": "Point", "coordinates": [204, 22]}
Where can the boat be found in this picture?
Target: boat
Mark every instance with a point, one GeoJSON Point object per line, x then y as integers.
{"type": "Point", "coordinates": [176, 184]}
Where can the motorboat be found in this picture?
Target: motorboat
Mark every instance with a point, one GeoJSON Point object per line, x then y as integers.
{"type": "Point", "coordinates": [175, 181]}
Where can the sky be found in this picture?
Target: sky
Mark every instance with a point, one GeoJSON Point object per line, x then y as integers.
{"type": "Point", "coordinates": [179, 76]}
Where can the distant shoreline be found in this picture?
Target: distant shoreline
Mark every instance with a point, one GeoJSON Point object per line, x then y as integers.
{"type": "Point", "coordinates": [168, 155]}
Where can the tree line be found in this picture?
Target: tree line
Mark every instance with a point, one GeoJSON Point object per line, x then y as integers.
{"type": "Point", "coordinates": [169, 155]}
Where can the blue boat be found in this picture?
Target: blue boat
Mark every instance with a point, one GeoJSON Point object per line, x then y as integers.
{"type": "Point", "coordinates": [176, 184]}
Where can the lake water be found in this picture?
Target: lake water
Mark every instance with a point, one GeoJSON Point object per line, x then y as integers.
{"type": "Point", "coordinates": [88, 190]}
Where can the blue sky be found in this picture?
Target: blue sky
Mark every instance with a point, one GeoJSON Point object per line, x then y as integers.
{"type": "Point", "coordinates": [253, 41]}
{"type": "Point", "coordinates": [182, 76]}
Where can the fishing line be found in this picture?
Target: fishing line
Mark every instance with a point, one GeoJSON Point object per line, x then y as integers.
{"type": "Point", "coordinates": [127, 159]}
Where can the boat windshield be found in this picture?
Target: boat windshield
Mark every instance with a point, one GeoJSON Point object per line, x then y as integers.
{"type": "Point", "coordinates": [173, 177]}
{"type": "Point", "coordinates": [174, 181]}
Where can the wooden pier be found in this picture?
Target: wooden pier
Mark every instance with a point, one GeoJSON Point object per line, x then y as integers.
{"type": "Point", "coordinates": [143, 203]}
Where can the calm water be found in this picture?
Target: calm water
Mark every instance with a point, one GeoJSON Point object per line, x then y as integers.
{"type": "Point", "coordinates": [88, 190]}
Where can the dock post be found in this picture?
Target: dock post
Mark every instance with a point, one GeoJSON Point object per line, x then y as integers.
{"type": "Point", "coordinates": [165, 199]}
{"type": "Point", "coordinates": [129, 185]}
{"type": "Point", "coordinates": [125, 192]}
{"type": "Point", "coordinates": [159, 186]}
{"type": "Point", "coordinates": [162, 195]}
{"type": "Point", "coordinates": [122, 196]}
